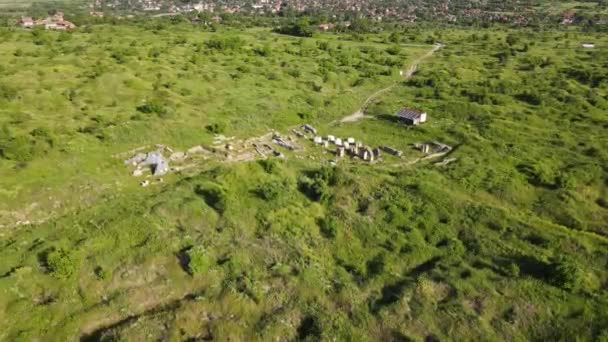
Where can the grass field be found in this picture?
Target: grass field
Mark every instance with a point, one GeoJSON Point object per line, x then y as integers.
{"type": "Point", "coordinates": [508, 242]}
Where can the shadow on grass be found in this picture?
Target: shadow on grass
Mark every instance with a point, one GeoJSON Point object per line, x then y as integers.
{"type": "Point", "coordinates": [309, 329]}
{"type": "Point", "coordinates": [532, 266]}
{"type": "Point", "coordinates": [390, 118]}
{"type": "Point", "coordinates": [183, 259]}
{"type": "Point", "coordinates": [390, 294]}
{"type": "Point", "coordinates": [527, 265]}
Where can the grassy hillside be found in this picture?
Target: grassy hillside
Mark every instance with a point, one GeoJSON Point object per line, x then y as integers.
{"type": "Point", "coordinates": [86, 94]}
{"type": "Point", "coordinates": [507, 242]}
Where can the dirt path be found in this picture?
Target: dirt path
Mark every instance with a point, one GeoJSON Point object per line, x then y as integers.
{"type": "Point", "coordinates": [360, 113]}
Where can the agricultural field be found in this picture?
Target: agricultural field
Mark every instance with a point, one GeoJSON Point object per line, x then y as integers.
{"type": "Point", "coordinates": [508, 241]}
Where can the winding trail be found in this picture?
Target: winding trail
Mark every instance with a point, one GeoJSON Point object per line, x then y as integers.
{"type": "Point", "coordinates": [360, 113]}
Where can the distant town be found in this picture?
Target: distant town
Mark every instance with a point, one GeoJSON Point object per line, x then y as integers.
{"type": "Point", "coordinates": [511, 11]}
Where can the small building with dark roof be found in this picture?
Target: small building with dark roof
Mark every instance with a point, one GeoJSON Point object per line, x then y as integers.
{"type": "Point", "coordinates": [411, 116]}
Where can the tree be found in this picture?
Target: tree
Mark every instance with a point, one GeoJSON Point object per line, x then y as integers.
{"type": "Point", "coordinates": [300, 28]}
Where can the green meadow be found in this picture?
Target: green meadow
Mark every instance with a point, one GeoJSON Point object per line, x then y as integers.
{"type": "Point", "coordinates": [509, 241]}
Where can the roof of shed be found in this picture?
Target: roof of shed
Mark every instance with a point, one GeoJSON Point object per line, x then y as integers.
{"type": "Point", "coordinates": [409, 113]}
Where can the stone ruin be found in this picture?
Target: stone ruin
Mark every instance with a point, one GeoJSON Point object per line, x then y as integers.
{"type": "Point", "coordinates": [433, 147]}
{"type": "Point", "coordinates": [309, 129]}
{"type": "Point", "coordinates": [157, 164]}
{"type": "Point", "coordinates": [392, 151]}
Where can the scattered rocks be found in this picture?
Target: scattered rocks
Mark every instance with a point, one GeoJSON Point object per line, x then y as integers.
{"type": "Point", "coordinates": [196, 149]}
{"type": "Point", "coordinates": [392, 151]}
{"type": "Point", "coordinates": [445, 161]}
{"type": "Point", "coordinates": [308, 128]}
{"type": "Point", "coordinates": [297, 133]}
{"type": "Point", "coordinates": [136, 159]}
{"type": "Point", "coordinates": [281, 142]}
{"type": "Point", "coordinates": [176, 156]}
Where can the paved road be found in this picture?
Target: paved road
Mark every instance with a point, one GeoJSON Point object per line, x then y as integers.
{"type": "Point", "coordinates": [360, 113]}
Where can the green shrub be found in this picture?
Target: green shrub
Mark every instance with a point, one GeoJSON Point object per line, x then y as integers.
{"type": "Point", "coordinates": [269, 165]}
{"type": "Point", "coordinates": [316, 87]}
{"type": "Point", "coordinates": [394, 50]}
{"type": "Point", "coordinates": [328, 227]}
{"type": "Point", "coordinates": [454, 247]}
{"type": "Point", "coordinates": [306, 116]}
{"type": "Point", "coordinates": [565, 273]}
{"type": "Point", "coordinates": [62, 264]}
{"type": "Point", "coordinates": [314, 188]}
{"type": "Point", "coordinates": [271, 191]}
{"type": "Point", "coordinates": [224, 44]}
{"type": "Point", "coordinates": [295, 73]}
{"type": "Point", "coordinates": [333, 175]}
{"type": "Point", "coordinates": [152, 107]}
{"type": "Point", "coordinates": [101, 273]}
{"type": "Point", "coordinates": [512, 270]}
{"type": "Point", "coordinates": [18, 148]}
{"type": "Point", "coordinates": [540, 174]}
{"type": "Point", "coordinates": [199, 260]}
{"type": "Point", "coordinates": [216, 128]}
{"type": "Point", "coordinates": [244, 69]}
{"type": "Point", "coordinates": [264, 51]}
{"type": "Point", "coordinates": [272, 76]}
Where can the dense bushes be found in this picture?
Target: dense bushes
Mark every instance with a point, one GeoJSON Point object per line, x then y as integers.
{"type": "Point", "coordinates": [25, 147]}
{"type": "Point", "coordinates": [225, 43]}
{"type": "Point", "coordinates": [315, 188]}
{"type": "Point", "coordinates": [272, 191]}
{"type": "Point", "coordinates": [269, 165]}
{"type": "Point", "coordinates": [315, 184]}
{"type": "Point", "coordinates": [300, 28]}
